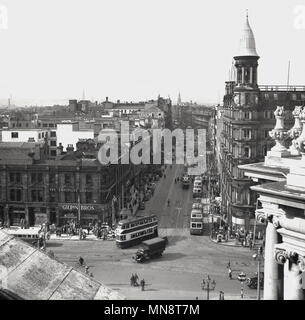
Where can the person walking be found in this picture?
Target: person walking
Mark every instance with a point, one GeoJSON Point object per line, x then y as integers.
{"type": "Point", "coordinates": [132, 280]}
{"type": "Point", "coordinates": [230, 273]}
{"type": "Point", "coordinates": [136, 278]}
{"type": "Point", "coordinates": [81, 261]}
{"type": "Point", "coordinates": [142, 284]}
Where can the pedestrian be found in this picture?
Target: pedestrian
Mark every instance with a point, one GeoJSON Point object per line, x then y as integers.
{"type": "Point", "coordinates": [87, 270]}
{"type": "Point", "coordinates": [230, 273]}
{"type": "Point", "coordinates": [142, 284]}
{"type": "Point", "coordinates": [229, 265]}
{"type": "Point", "coordinates": [136, 278]}
{"type": "Point", "coordinates": [132, 280]}
{"type": "Point", "coordinates": [81, 261]}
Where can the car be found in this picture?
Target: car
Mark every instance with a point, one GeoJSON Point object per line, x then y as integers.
{"type": "Point", "coordinates": [197, 192]}
{"type": "Point", "coordinates": [252, 281]}
{"type": "Point", "coordinates": [151, 186]}
{"type": "Point", "coordinates": [142, 205]}
{"type": "Point", "coordinates": [198, 206]}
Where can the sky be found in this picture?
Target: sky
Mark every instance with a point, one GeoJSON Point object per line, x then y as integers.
{"type": "Point", "coordinates": [136, 49]}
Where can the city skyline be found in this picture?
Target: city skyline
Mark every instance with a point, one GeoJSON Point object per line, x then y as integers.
{"type": "Point", "coordinates": [57, 51]}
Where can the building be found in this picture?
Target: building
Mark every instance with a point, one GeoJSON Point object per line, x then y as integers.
{"type": "Point", "coordinates": [73, 186]}
{"type": "Point", "coordinates": [279, 182]}
{"type": "Point", "coordinates": [246, 119]}
{"type": "Point", "coordinates": [24, 135]}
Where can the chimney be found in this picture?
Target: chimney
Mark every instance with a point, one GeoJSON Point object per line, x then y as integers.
{"type": "Point", "coordinates": [106, 99]}
{"type": "Point", "coordinates": [60, 150]}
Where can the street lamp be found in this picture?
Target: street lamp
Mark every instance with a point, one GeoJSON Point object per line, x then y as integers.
{"type": "Point", "coordinates": [208, 285]}
{"type": "Point", "coordinates": [242, 279]}
{"type": "Point", "coordinates": [257, 256]}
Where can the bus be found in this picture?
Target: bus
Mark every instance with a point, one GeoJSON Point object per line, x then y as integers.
{"type": "Point", "coordinates": [133, 231]}
{"type": "Point", "coordinates": [196, 224]}
{"type": "Point", "coordinates": [30, 236]}
{"type": "Point", "coordinates": [186, 182]}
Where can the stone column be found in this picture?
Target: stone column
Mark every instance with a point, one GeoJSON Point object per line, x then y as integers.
{"type": "Point", "coordinates": [48, 214]}
{"type": "Point", "coordinates": [251, 75]}
{"type": "Point", "coordinates": [27, 218]}
{"type": "Point", "coordinates": [242, 75]}
{"type": "Point", "coordinates": [293, 282]}
{"type": "Point", "coordinates": [273, 273]}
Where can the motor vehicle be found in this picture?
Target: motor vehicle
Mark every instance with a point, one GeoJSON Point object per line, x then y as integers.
{"type": "Point", "coordinates": [198, 206]}
{"type": "Point", "coordinates": [197, 184]}
{"type": "Point", "coordinates": [186, 182]}
{"type": "Point", "coordinates": [142, 205]}
{"type": "Point", "coordinates": [198, 178]}
{"type": "Point", "coordinates": [197, 192]}
{"type": "Point", "coordinates": [251, 282]}
{"type": "Point", "coordinates": [151, 186]}
{"type": "Point", "coordinates": [150, 249]}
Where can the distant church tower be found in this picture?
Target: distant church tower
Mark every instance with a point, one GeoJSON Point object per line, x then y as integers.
{"type": "Point", "coordinates": [179, 102]}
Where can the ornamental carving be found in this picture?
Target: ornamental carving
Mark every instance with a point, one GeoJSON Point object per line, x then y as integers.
{"type": "Point", "coordinates": [301, 263]}
{"type": "Point", "coordinates": [279, 134]}
{"type": "Point", "coordinates": [276, 222]}
{"type": "Point", "coordinates": [299, 143]}
{"type": "Point", "coordinates": [280, 256]}
{"type": "Point", "coordinates": [260, 216]}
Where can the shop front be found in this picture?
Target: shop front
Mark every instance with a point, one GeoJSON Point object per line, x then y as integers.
{"type": "Point", "coordinates": [85, 213]}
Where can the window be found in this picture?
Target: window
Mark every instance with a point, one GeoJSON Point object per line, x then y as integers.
{"type": "Point", "coordinates": [294, 96]}
{"type": "Point", "coordinates": [53, 134]}
{"type": "Point", "coordinates": [39, 177]}
{"type": "Point", "coordinates": [18, 195]}
{"type": "Point", "coordinates": [88, 179]}
{"type": "Point", "coordinates": [247, 115]}
{"type": "Point", "coordinates": [104, 179]}
{"type": "Point", "coordinates": [68, 197]}
{"type": "Point", "coordinates": [53, 143]}
{"type": "Point", "coordinates": [51, 125]}
{"type": "Point", "coordinates": [12, 195]}
{"type": "Point", "coordinates": [52, 196]}
{"type": "Point", "coordinates": [302, 96]}
{"type": "Point", "coordinates": [247, 133]}
{"type": "Point", "coordinates": [37, 195]}
{"type": "Point", "coordinates": [36, 177]}
{"type": "Point", "coordinates": [267, 96]}
{"type": "Point", "coordinates": [12, 177]}
{"type": "Point", "coordinates": [53, 153]}
{"type": "Point", "coordinates": [67, 179]}
{"type": "Point", "coordinates": [18, 177]}
{"type": "Point", "coordinates": [52, 178]}
{"type": "Point", "coordinates": [275, 96]}
{"type": "Point", "coordinates": [266, 134]}
{"type": "Point", "coordinates": [88, 197]}
{"type": "Point", "coordinates": [45, 125]}
{"type": "Point", "coordinates": [247, 152]}
{"type": "Point", "coordinates": [14, 135]}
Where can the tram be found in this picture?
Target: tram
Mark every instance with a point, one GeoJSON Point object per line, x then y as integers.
{"type": "Point", "coordinates": [133, 231]}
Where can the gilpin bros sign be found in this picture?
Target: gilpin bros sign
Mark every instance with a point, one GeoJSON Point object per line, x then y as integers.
{"type": "Point", "coordinates": [83, 207]}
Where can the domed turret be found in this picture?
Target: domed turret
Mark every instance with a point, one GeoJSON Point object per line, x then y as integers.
{"type": "Point", "coordinates": [247, 45]}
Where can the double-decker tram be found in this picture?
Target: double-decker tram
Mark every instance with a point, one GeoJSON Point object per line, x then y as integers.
{"type": "Point", "coordinates": [196, 224]}
{"type": "Point", "coordinates": [133, 231]}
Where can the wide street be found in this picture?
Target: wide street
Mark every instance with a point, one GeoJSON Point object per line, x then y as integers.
{"type": "Point", "coordinates": [186, 261]}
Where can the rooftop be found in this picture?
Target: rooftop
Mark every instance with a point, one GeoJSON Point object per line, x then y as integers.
{"type": "Point", "coordinates": [33, 275]}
